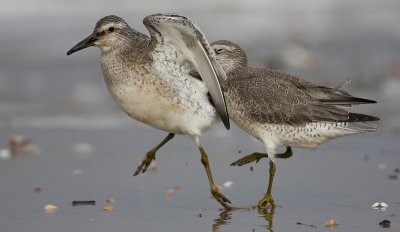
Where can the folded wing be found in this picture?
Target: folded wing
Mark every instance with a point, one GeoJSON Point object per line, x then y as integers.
{"type": "Point", "coordinates": [275, 101]}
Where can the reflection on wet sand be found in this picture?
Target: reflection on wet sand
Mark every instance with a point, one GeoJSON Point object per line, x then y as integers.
{"type": "Point", "coordinates": [226, 215]}
{"type": "Point", "coordinates": [268, 215]}
{"type": "Point", "coordinates": [223, 219]}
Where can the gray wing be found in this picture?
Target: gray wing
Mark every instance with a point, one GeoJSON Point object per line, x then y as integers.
{"type": "Point", "coordinates": [274, 101]}
{"type": "Point", "coordinates": [329, 95]}
{"type": "Point", "coordinates": [180, 32]}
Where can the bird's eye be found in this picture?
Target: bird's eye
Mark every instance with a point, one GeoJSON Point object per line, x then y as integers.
{"type": "Point", "coordinates": [111, 29]}
{"type": "Point", "coordinates": [219, 50]}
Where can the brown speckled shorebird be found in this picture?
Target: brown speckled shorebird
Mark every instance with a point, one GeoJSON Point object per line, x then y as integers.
{"type": "Point", "coordinates": [283, 110]}
{"type": "Point", "coordinates": [151, 78]}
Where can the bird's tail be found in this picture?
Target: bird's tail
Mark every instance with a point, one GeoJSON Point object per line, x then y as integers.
{"type": "Point", "coordinates": [362, 126]}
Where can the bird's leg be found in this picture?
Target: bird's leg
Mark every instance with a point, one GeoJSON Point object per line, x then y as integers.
{"type": "Point", "coordinates": [215, 191]}
{"type": "Point", "coordinates": [267, 199]}
{"type": "Point", "coordinates": [287, 154]}
{"type": "Point", "coordinates": [151, 155]}
{"type": "Point", "coordinates": [256, 156]}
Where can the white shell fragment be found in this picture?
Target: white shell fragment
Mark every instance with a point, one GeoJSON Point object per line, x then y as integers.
{"type": "Point", "coordinates": [50, 208]}
{"type": "Point", "coordinates": [228, 184]}
{"type": "Point", "coordinates": [380, 206]}
{"type": "Point", "coordinates": [331, 223]}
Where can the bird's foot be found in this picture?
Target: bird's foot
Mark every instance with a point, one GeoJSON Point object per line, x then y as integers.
{"type": "Point", "coordinates": [256, 156]}
{"type": "Point", "coordinates": [149, 157]}
{"type": "Point", "coordinates": [267, 199]}
{"type": "Point", "coordinates": [224, 201]}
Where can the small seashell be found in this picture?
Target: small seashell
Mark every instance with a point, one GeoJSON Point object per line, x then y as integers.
{"type": "Point", "coordinates": [109, 208]}
{"type": "Point", "coordinates": [228, 184]}
{"type": "Point", "coordinates": [50, 208]}
{"type": "Point", "coordinates": [331, 223]}
{"type": "Point", "coordinates": [178, 186]}
{"type": "Point", "coordinates": [380, 206]}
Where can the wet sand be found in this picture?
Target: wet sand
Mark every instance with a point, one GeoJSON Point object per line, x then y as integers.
{"type": "Point", "coordinates": [339, 180]}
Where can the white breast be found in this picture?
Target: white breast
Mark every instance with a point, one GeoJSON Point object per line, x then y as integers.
{"type": "Point", "coordinates": [163, 96]}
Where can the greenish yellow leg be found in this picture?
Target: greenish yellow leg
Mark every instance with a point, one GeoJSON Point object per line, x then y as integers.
{"type": "Point", "coordinates": [151, 155]}
{"type": "Point", "coordinates": [215, 191]}
{"type": "Point", "coordinates": [287, 154]}
{"type": "Point", "coordinates": [267, 199]}
{"type": "Point", "coordinates": [256, 156]}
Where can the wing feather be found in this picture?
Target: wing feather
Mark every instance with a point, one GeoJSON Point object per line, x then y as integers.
{"type": "Point", "coordinates": [274, 101]}
{"type": "Point", "coordinates": [184, 35]}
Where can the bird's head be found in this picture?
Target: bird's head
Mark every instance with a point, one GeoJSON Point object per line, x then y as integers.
{"type": "Point", "coordinates": [229, 55]}
{"type": "Point", "coordinates": [109, 33]}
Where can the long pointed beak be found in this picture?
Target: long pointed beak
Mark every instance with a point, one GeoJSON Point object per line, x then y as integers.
{"type": "Point", "coordinates": [87, 42]}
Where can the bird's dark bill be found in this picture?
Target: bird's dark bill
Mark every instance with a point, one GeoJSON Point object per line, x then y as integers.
{"type": "Point", "coordinates": [87, 42]}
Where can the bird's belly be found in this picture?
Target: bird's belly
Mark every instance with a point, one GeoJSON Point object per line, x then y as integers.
{"type": "Point", "coordinates": [168, 113]}
{"type": "Point", "coordinates": [308, 136]}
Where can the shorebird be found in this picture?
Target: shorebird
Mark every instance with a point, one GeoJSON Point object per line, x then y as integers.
{"type": "Point", "coordinates": [151, 79]}
{"type": "Point", "coordinates": [284, 110]}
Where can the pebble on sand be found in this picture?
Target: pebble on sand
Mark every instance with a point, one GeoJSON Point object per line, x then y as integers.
{"type": "Point", "coordinates": [385, 223]}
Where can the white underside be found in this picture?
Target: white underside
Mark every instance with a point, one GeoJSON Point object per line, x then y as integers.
{"type": "Point", "coordinates": [309, 136]}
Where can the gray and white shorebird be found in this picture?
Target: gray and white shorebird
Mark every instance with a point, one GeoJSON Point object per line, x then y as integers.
{"type": "Point", "coordinates": [284, 110]}
{"type": "Point", "coordinates": [151, 78]}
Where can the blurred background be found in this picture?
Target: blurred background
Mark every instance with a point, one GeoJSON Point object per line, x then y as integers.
{"type": "Point", "coordinates": [325, 41]}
